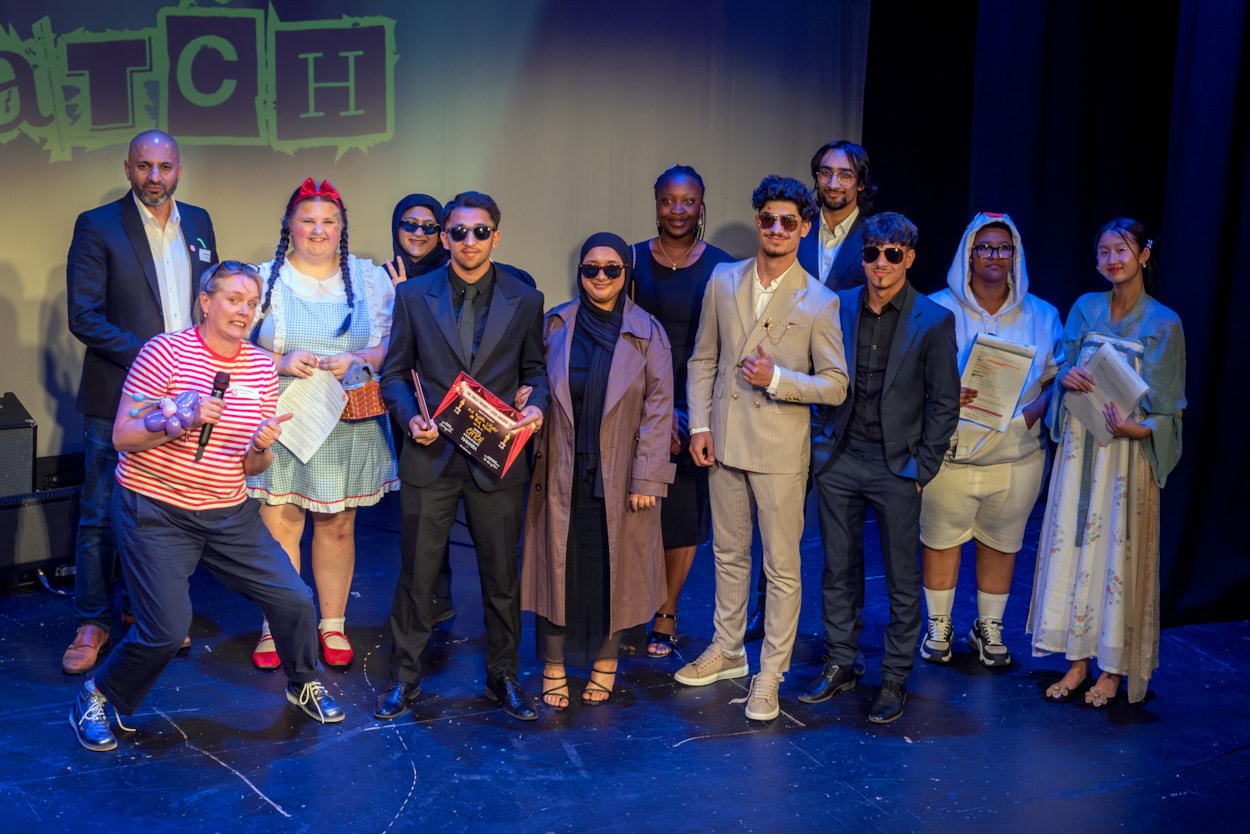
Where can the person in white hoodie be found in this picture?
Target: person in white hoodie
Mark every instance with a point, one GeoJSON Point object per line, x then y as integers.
{"type": "Point", "coordinates": [989, 480]}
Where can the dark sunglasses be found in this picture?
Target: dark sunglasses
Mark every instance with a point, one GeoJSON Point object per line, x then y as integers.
{"type": "Point", "coordinates": [766, 220]}
{"type": "Point", "coordinates": [459, 233]}
{"type": "Point", "coordinates": [413, 226]}
{"type": "Point", "coordinates": [613, 271]}
{"type": "Point", "coordinates": [892, 254]}
{"type": "Point", "coordinates": [228, 268]}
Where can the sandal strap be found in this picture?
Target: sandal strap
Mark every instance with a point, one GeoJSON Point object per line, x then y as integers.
{"type": "Point", "coordinates": [662, 615]}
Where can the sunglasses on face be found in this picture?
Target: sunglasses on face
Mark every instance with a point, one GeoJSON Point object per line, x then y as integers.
{"type": "Point", "coordinates": [459, 233]}
{"type": "Point", "coordinates": [984, 251]}
{"type": "Point", "coordinates": [766, 220]}
{"type": "Point", "coordinates": [413, 226]}
{"type": "Point", "coordinates": [613, 271]}
{"type": "Point", "coordinates": [893, 254]}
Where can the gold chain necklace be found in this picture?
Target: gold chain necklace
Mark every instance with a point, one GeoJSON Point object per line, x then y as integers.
{"type": "Point", "coordinates": [670, 257]}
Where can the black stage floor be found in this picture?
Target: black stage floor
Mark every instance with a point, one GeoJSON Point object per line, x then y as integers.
{"type": "Point", "coordinates": [217, 748]}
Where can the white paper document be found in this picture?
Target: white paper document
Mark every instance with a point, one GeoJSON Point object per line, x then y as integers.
{"type": "Point", "coordinates": [997, 369]}
{"type": "Point", "coordinates": [317, 403]}
{"type": "Point", "coordinates": [1114, 381]}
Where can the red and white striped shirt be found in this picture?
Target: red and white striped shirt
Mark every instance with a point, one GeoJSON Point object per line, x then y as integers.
{"type": "Point", "coordinates": [171, 363]}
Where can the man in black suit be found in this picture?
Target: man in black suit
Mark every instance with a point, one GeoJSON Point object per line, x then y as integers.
{"type": "Point", "coordinates": [132, 272]}
{"type": "Point", "coordinates": [485, 321]}
{"type": "Point", "coordinates": [830, 250]}
{"type": "Point", "coordinates": [845, 188]}
{"type": "Point", "coordinates": [878, 449]}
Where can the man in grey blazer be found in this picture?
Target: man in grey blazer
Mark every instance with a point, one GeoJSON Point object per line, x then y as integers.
{"type": "Point", "coordinates": [133, 271]}
{"type": "Point", "coordinates": [768, 345]}
{"type": "Point", "coordinates": [878, 449]}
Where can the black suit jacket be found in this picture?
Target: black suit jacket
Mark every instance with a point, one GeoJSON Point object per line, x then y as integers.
{"type": "Point", "coordinates": [848, 267]}
{"type": "Point", "coordinates": [424, 337]}
{"type": "Point", "coordinates": [114, 298]}
{"type": "Point", "coordinates": [920, 395]}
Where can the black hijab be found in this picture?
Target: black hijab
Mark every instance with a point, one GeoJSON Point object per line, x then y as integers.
{"type": "Point", "coordinates": [599, 329]}
{"type": "Point", "coordinates": [436, 256]}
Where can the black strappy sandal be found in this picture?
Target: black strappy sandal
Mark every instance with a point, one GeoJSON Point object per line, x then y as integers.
{"type": "Point", "coordinates": [659, 638]}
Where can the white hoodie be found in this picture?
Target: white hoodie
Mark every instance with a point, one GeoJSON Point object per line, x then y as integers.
{"type": "Point", "coordinates": [1024, 319]}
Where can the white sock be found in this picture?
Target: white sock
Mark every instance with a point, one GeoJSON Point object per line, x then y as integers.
{"type": "Point", "coordinates": [264, 629]}
{"type": "Point", "coordinates": [328, 624]}
{"type": "Point", "coordinates": [939, 603]}
{"type": "Point", "coordinates": [991, 606]}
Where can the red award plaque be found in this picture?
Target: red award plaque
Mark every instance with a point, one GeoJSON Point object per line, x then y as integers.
{"type": "Point", "coordinates": [481, 424]}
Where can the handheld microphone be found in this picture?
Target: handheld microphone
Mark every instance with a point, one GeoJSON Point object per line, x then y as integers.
{"type": "Point", "coordinates": [220, 383]}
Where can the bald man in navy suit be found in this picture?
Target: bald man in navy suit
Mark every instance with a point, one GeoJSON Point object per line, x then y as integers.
{"type": "Point", "coordinates": [132, 272]}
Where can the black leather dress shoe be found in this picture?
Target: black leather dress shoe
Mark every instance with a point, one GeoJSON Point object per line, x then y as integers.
{"type": "Point", "coordinates": [508, 692]}
{"type": "Point", "coordinates": [832, 680]}
{"type": "Point", "coordinates": [396, 700]}
{"type": "Point", "coordinates": [888, 705]}
{"type": "Point", "coordinates": [443, 610]}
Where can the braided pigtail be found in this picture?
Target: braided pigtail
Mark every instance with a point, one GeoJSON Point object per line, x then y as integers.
{"type": "Point", "coordinates": [347, 276]}
{"type": "Point", "coordinates": [279, 258]}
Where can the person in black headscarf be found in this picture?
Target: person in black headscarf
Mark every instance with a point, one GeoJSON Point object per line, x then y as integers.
{"type": "Point", "coordinates": [414, 237]}
{"type": "Point", "coordinates": [593, 561]}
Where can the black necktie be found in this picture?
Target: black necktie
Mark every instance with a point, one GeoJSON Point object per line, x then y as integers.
{"type": "Point", "coordinates": [468, 318]}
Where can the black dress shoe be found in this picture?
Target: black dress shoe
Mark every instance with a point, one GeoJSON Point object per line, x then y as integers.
{"type": "Point", "coordinates": [832, 680]}
{"type": "Point", "coordinates": [888, 705]}
{"type": "Point", "coordinates": [508, 692]}
{"type": "Point", "coordinates": [396, 700]}
{"type": "Point", "coordinates": [443, 610]}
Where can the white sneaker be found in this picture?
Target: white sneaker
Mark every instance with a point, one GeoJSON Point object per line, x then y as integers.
{"type": "Point", "coordinates": [712, 666]}
{"type": "Point", "coordinates": [936, 646]}
{"type": "Point", "coordinates": [986, 639]}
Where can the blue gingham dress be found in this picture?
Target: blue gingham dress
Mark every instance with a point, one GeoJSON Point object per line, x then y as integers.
{"type": "Point", "coordinates": [355, 466]}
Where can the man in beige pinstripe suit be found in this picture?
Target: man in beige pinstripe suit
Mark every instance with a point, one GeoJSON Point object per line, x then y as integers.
{"type": "Point", "coordinates": [769, 344]}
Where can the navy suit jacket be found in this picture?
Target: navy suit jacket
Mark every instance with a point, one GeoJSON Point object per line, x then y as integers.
{"type": "Point", "coordinates": [424, 337]}
{"type": "Point", "coordinates": [920, 395]}
{"type": "Point", "coordinates": [114, 299]}
{"type": "Point", "coordinates": [848, 267]}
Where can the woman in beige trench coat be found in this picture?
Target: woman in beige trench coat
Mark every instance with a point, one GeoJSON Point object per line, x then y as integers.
{"type": "Point", "coordinates": [593, 561]}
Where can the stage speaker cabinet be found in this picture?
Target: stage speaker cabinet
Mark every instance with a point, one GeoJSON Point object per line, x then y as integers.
{"type": "Point", "coordinates": [38, 532]}
{"type": "Point", "coordinates": [17, 447]}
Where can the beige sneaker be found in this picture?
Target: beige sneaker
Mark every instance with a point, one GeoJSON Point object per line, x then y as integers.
{"type": "Point", "coordinates": [712, 666]}
{"type": "Point", "coordinates": [762, 702]}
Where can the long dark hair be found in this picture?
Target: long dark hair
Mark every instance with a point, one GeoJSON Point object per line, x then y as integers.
{"type": "Point", "coordinates": [323, 192]}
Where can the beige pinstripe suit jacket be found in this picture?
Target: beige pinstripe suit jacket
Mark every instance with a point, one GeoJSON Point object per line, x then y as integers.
{"type": "Point", "coordinates": [801, 330]}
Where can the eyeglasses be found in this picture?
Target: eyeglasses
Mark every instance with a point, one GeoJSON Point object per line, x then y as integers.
{"type": "Point", "coordinates": [412, 226]}
{"type": "Point", "coordinates": [766, 220]}
{"type": "Point", "coordinates": [893, 254]}
{"type": "Point", "coordinates": [613, 271]}
{"type": "Point", "coordinates": [459, 233]}
{"type": "Point", "coordinates": [844, 176]}
{"type": "Point", "coordinates": [227, 268]}
{"type": "Point", "coordinates": [984, 251]}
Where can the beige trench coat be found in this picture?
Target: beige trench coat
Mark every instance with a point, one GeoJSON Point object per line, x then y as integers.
{"type": "Point", "coordinates": [633, 454]}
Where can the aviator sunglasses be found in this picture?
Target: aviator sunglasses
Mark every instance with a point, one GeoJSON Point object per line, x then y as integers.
{"type": "Point", "coordinates": [459, 233]}
{"type": "Point", "coordinates": [766, 220]}
{"type": "Point", "coordinates": [893, 254]}
{"type": "Point", "coordinates": [589, 271]}
{"type": "Point", "coordinates": [412, 226]}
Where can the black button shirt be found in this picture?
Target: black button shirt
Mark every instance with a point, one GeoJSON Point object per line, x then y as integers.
{"type": "Point", "coordinates": [873, 338]}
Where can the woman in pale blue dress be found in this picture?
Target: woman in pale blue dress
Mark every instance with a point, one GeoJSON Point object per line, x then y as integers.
{"type": "Point", "coordinates": [1096, 590]}
{"type": "Point", "coordinates": [324, 309]}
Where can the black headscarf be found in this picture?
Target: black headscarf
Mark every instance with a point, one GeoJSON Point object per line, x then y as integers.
{"type": "Point", "coordinates": [599, 329]}
{"type": "Point", "coordinates": [436, 256]}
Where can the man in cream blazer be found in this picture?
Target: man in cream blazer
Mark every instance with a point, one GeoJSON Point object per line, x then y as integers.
{"type": "Point", "coordinates": [769, 344]}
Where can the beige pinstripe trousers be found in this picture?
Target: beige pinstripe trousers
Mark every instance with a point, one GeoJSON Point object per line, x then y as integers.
{"type": "Point", "coordinates": [777, 500]}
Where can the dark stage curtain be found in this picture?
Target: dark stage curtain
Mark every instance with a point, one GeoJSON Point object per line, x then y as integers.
{"type": "Point", "coordinates": [1066, 115]}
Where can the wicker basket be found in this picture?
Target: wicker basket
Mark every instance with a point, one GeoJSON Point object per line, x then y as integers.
{"type": "Point", "coordinates": [364, 402]}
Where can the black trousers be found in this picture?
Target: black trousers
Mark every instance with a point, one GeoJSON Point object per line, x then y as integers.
{"type": "Point", "coordinates": [494, 521]}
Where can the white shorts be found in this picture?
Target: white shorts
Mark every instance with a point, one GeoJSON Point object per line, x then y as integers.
{"type": "Point", "coordinates": [989, 503]}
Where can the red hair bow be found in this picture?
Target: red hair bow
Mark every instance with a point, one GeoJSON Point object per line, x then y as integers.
{"type": "Point", "coordinates": [311, 189]}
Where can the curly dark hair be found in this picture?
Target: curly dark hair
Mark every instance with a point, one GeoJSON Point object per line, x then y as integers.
{"type": "Point", "coordinates": [858, 157]}
{"type": "Point", "coordinates": [889, 227]}
{"type": "Point", "coordinates": [773, 187]}
{"type": "Point", "coordinates": [284, 244]}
